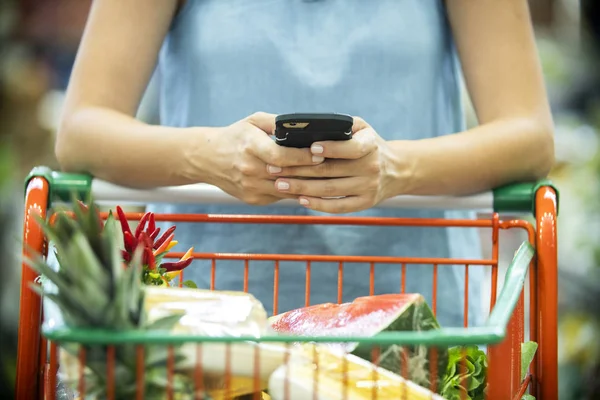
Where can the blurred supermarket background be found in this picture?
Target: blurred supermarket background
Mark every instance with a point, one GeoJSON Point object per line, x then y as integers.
{"type": "Point", "coordinates": [38, 42]}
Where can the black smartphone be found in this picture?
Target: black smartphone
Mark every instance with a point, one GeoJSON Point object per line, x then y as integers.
{"type": "Point", "coordinates": [302, 130]}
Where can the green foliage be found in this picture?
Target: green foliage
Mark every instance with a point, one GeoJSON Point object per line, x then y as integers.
{"type": "Point", "coordinates": [466, 374]}
{"type": "Point", "coordinates": [153, 277]}
{"type": "Point", "coordinates": [528, 350]}
{"type": "Point", "coordinates": [190, 284]}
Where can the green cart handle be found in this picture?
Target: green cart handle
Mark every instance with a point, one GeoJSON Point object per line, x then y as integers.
{"type": "Point", "coordinates": [514, 198]}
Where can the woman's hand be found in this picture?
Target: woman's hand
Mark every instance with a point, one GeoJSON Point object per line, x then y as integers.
{"type": "Point", "coordinates": [242, 155]}
{"type": "Point", "coordinates": [357, 174]}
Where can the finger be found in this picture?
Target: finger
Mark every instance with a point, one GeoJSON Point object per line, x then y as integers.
{"type": "Point", "coordinates": [321, 187]}
{"type": "Point", "coordinates": [279, 156]}
{"type": "Point", "coordinates": [263, 121]}
{"type": "Point", "coordinates": [251, 167]}
{"type": "Point", "coordinates": [335, 206]}
{"type": "Point", "coordinates": [362, 143]}
{"type": "Point", "coordinates": [265, 187]}
{"type": "Point", "coordinates": [327, 169]}
{"type": "Point", "coordinates": [258, 200]}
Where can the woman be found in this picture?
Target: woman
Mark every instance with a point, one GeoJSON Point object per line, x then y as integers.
{"type": "Point", "coordinates": [391, 63]}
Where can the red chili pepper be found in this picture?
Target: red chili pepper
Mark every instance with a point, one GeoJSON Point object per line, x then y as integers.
{"type": "Point", "coordinates": [164, 237]}
{"type": "Point", "coordinates": [145, 240]}
{"type": "Point", "coordinates": [123, 220]}
{"type": "Point", "coordinates": [142, 224]}
{"type": "Point", "coordinates": [176, 266]}
{"type": "Point", "coordinates": [155, 233]}
{"type": "Point", "coordinates": [130, 241]}
{"type": "Point", "coordinates": [151, 261]}
{"type": "Point", "coordinates": [151, 224]}
{"type": "Point", "coordinates": [144, 257]}
{"type": "Point", "coordinates": [126, 256]}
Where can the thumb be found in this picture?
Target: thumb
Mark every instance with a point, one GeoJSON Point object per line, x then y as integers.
{"type": "Point", "coordinates": [263, 121]}
{"type": "Point", "coordinates": [359, 124]}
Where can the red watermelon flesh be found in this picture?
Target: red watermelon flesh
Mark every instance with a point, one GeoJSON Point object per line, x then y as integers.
{"type": "Point", "coordinates": [366, 317]}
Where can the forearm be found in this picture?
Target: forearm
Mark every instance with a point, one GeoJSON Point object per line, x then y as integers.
{"type": "Point", "coordinates": [120, 149]}
{"type": "Point", "coordinates": [477, 160]}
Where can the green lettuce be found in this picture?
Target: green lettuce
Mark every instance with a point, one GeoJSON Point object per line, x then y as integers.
{"type": "Point", "coordinates": [470, 384]}
{"type": "Point", "coordinates": [528, 350]}
{"type": "Point", "coordinates": [465, 378]}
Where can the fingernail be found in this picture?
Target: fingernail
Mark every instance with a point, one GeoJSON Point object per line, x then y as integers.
{"type": "Point", "coordinates": [317, 159]}
{"type": "Point", "coordinates": [273, 170]}
{"type": "Point", "coordinates": [283, 185]}
{"type": "Point", "coordinates": [304, 202]}
{"type": "Point", "coordinates": [316, 149]}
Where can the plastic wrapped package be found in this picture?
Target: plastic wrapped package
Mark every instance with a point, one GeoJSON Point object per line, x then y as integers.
{"type": "Point", "coordinates": [220, 314]}
{"type": "Point", "coordinates": [207, 312]}
{"type": "Point", "coordinates": [323, 373]}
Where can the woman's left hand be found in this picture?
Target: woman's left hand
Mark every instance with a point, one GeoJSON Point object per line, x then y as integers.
{"type": "Point", "coordinates": [357, 174]}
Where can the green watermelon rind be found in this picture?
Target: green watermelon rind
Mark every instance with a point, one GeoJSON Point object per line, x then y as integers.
{"type": "Point", "coordinates": [416, 316]}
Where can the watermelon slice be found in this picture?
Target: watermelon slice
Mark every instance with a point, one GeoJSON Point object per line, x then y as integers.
{"type": "Point", "coordinates": [367, 317]}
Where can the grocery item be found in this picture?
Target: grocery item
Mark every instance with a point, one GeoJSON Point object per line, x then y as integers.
{"type": "Point", "coordinates": [328, 374]}
{"type": "Point", "coordinates": [219, 314]}
{"type": "Point", "coordinates": [94, 289]}
{"type": "Point", "coordinates": [367, 317]}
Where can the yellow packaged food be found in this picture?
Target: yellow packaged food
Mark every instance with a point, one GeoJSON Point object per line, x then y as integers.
{"type": "Point", "coordinates": [326, 374]}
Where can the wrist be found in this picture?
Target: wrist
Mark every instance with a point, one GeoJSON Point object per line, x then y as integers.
{"type": "Point", "coordinates": [402, 169]}
{"type": "Point", "coordinates": [198, 155]}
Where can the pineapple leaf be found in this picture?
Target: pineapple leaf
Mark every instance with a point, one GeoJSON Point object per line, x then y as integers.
{"type": "Point", "coordinates": [64, 226]}
{"type": "Point", "coordinates": [120, 304]}
{"type": "Point", "coordinates": [158, 356]}
{"type": "Point", "coordinates": [53, 237]}
{"type": "Point", "coordinates": [115, 259]}
{"type": "Point", "coordinates": [157, 378]}
{"type": "Point", "coordinates": [94, 282]}
{"type": "Point", "coordinates": [113, 263]}
{"type": "Point", "coordinates": [38, 265]}
{"type": "Point", "coordinates": [110, 217]}
{"type": "Point", "coordinates": [81, 252]}
{"type": "Point", "coordinates": [51, 233]}
{"type": "Point", "coordinates": [95, 219]}
{"type": "Point", "coordinates": [165, 323]}
{"type": "Point", "coordinates": [135, 302]}
{"type": "Point", "coordinates": [79, 211]}
{"type": "Point", "coordinates": [73, 313]}
{"type": "Point", "coordinates": [85, 217]}
{"type": "Point", "coordinates": [136, 298]}
{"type": "Point", "coordinates": [37, 288]}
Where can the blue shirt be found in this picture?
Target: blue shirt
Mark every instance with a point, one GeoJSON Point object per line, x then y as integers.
{"type": "Point", "coordinates": [392, 62]}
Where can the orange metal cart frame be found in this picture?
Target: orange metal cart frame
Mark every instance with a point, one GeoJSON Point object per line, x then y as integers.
{"type": "Point", "coordinates": [36, 376]}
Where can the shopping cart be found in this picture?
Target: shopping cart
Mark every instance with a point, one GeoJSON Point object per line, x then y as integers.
{"type": "Point", "coordinates": [503, 333]}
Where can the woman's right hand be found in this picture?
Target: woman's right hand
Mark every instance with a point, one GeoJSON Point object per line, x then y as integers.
{"type": "Point", "coordinates": [241, 154]}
